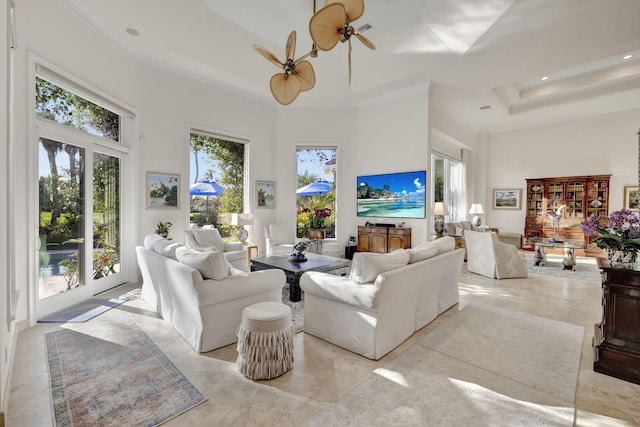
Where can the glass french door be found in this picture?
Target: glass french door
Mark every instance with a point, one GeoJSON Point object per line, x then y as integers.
{"type": "Point", "coordinates": [78, 222]}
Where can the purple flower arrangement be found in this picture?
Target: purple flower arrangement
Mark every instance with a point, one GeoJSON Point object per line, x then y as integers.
{"type": "Point", "coordinates": [619, 231]}
{"type": "Point", "coordinates": [318, 218]}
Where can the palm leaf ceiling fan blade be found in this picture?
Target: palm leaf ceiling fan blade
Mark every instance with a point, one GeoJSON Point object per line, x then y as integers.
{"type": "Point", "coordinates": [270, 56]}
{"type": "Point", "coordinates": [285, 88]}
{"type": "Point", "coordinates": [349, 60]}
{"type": "Point", "coordinates": [326, 24]}
{"type": "Point", "coordinates": [306, 75]}
{"type": "Point", "coordinates": [291, 46]}
{"type": "Point", "coordinates": [365, 41]}
{"type": "Point", "coordinates": [353, 8]}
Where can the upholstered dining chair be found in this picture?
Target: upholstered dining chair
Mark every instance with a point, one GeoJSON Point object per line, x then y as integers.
{"type": "Point", "coordinates": [488, 256]}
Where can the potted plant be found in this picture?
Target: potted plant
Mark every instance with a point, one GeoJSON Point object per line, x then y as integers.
{"type": "Point", "coordinates": [317, 222]}
{"type": "Point", "coordinates": [619, 234]}
{"type": "Point", "coordinates": [163, 228]}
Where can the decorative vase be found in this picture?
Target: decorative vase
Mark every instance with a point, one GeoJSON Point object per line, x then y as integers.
{"type": "Point", "coordinates": [316, 234]}
{"type": "Point", "coordinates": [623, 259]}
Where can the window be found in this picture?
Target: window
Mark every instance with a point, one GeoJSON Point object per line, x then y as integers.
{"type": "Point", "coordinates": [217, 180]}
{"type": "Point", "coordinates": [448, 185]}
{"type": "Point", "coordinates": [61, 106]}
{"type": "Point", "coordinates": [316, 194]}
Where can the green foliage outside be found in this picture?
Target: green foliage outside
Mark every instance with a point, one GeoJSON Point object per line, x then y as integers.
{"type": "Point", "coordinates": [307, 205]}
{"type": "Point", "coordinates": [229, 157]}
{"type": "Point", "coordinates": [61, 193]}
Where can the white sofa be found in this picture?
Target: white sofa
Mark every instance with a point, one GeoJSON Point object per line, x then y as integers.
{"type": "Point", "coordinates": [205, 311]}
{"type": "Point", "coordinates": [488, 256]}
{"type": "Point", "coordinates": [209, 239]}
{"type": "Point", "coordinates": [384, 300]}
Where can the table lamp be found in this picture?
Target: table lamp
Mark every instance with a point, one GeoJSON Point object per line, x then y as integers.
{"type": "Point", "coordinates": [439, 210]}
{"type": "Point", "coordinates": [476, 209]}
{"type": "Point", "coordinates": [242, 219]}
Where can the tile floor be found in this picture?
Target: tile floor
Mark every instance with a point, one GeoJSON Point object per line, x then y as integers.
{"type": "Point", "coordinates": [323, 373]}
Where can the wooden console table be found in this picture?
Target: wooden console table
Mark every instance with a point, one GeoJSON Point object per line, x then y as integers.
{"type": "Point", "coordinates": [383, 239]}
{"type": "Point", "coordinates": [617, 337]}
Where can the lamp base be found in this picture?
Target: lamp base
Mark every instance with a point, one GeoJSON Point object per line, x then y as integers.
{"type": "Point", "coordinates": [475, 222]}
{"type": "Point", "coordinates": [438, 226]}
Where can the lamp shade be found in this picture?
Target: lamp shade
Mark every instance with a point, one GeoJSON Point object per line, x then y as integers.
{"type": "Point", "coordinates": [476, 209]}
{"type": "Point", "coordinates": [241, 219]}
{"type": "Point", "coordinates": [440, 208]}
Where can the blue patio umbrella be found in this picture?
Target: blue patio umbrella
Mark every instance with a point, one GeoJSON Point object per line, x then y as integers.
{"type": "Point", "coordinates": [315, 188]}
{"type": "Point", "coordinates": [206, 188]}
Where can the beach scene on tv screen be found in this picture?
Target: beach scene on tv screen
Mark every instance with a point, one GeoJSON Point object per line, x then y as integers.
{"type": "Point", "coordinates": [393, 195]}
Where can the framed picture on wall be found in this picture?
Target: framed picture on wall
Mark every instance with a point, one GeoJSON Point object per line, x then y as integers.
{"type": "Point", "coordinates": [507, 198]}
{"type": "Point", "coordinates": [265, 194]}
{"type": "Point", "coordinates": [163, 190]}
{"type": "Point", "coordinates": [631, 198]}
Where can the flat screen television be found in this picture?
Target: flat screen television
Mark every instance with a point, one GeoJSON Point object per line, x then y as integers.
{"type": "Point", "coordinates": [392, 195]}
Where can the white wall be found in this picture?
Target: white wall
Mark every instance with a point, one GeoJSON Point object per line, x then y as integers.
{"type": "Point", "coordinates": [322, 126]}
{"type": "Point", "coordinates": [392, 136]}
{"type": "Point", "coordinates": [169, 108]}
{"type": "Point", "coordinates": [606, 145]}
{"type": "Point", "coordinates": [7, 330]}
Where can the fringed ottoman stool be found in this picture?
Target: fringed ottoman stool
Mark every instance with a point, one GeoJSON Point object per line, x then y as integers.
{"type": "Point", "coordinates": [265, 341]}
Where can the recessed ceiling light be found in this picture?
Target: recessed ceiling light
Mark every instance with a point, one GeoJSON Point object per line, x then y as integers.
{"type": "Point", "coordinates": [545, 78]}
{"type": "Point", "coordinates": [627, 57]}
{"type": "Point", "coordinates": [133, 32]}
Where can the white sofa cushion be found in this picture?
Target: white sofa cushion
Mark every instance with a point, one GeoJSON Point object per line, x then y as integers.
{"type": "Point", "coordinates": [366, 266]}
{"type": "Point", "coordinates": [423, 251]}
{"type": "Point", "coordinates": [211, 265]}
{"type": "Point", "coordinates": [204, 239]}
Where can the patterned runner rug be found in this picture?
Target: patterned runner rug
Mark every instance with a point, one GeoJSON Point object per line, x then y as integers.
{"type": "Point", "coordinates": [484, 366]}
{"type": "Point", "coordinates": [113, 374]}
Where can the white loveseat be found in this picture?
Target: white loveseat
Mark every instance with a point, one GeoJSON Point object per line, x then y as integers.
{"type": "Point", "coordinates": [209, 239]}
{"type": "Point", "coordinates": [205, 311]}
{"type": "Point", "coordinates": [386, 298]}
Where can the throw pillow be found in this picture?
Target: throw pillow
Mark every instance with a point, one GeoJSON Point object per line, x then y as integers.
{"type": "Point", "coordinates": [150, 241]}
{"type": "Point", "coordinates": [366, 266]}
{"type": "Point", "coordinates": [206, 239]}
{"type": "Point", "coordinates": [423, 251]}
{"type": "Point", "coordinates": [212, 265]}
{"type": "Point", "coordinates": [166, 247]}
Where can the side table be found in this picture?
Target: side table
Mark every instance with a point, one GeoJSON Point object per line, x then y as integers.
{"type": "Point", "coordinates": [249, 247]}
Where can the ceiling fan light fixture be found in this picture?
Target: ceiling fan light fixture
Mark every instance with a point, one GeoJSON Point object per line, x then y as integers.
{"type": "Point", "coordinates": [326, 26]}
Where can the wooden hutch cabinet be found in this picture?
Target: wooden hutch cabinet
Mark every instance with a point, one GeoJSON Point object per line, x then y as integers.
{"type": "Point", "coordinates": [583, 197]}
{"type": "Point", "coordinates": [383, 239]}
{"type": "Point", "coordinates": [617, 338]}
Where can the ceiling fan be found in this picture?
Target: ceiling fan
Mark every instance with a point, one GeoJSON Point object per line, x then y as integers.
{"type": "Point", "coordinates": [329, 25]}
{"type": "Point", "coordinates": [298, 75]}
{"type": "Point", "coordinates": [332, 23]}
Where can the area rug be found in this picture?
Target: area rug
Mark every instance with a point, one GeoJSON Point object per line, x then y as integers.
{"type": "Point", "coordinates": [483, 366]}
{"type": "Point", "coordinates": [586, 268]}
{"type": "Point", "coordinates": [83, 311]}
{"type": "Point", "coordinates": [114, 376]}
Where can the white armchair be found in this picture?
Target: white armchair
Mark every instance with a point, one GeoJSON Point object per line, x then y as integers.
{"type": "Point", "coordinates": [488, 256]}
{"type": "Point", "coordinates": [280, 239]}
{"type": "Point", "coordinates": [209, 239]}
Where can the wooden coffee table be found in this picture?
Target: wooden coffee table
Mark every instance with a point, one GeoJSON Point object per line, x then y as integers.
{"type": "Point", "coordinates": [294, 270]}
